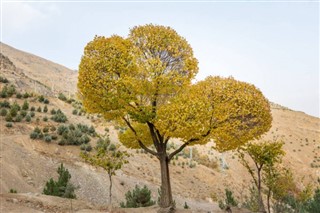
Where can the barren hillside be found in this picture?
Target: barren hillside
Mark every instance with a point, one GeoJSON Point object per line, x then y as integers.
{"type": "Point", "coordinates": [27, 164]}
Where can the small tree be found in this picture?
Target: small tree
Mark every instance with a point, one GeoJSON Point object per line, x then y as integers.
{"type": "Point", "coordinates": [62, 187]}
{"type": "Point", "coordinates": [139, 197]}
{"type": "Point", "coordinates": [264, 155]}
{"type": "Point", "coordinates": [110, 161]}
{"type": "Point", "coordinates": [25, 105]}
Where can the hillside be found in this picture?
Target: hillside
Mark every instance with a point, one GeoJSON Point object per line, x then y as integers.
{"type": "Point", "coordinates": [27, 164]}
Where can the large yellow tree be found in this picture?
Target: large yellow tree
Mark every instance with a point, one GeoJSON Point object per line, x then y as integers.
{"type": "Point", "coordinates": [144, 81]}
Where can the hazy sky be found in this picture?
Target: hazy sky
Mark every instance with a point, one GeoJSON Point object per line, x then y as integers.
{"type": "Point", "coordinates": [274, 45]}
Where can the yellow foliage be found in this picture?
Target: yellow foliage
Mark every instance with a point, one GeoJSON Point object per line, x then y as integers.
{"type": "Point", "coordinates": [226, 110]}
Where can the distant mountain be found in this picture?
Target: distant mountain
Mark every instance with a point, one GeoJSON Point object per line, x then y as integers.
{"type": "Point", "coordinates": [42, 76]}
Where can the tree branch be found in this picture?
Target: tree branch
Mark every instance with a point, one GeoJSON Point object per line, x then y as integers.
{"type": "Point", "coordinates": [181, 147]}
{"type": "Point", "coordinates": [139, 141]}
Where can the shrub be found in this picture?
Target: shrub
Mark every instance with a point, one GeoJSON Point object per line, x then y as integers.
{"type": "Point", "coordinates": [32, 114]}
{"type": "Point", "coordinates": [59, 117]}
{"type": "Point", "coordinates": [13, 191]}
{"type": "Point", "coordinates": [62, 129]}
{"type": "Point", "coordinates": [103, 144]}
{"type": "Point", "coordinates": [46, 101]}
{"type": "Point", "coordinates": [28, 118]}
{"type": "Point", "coordinates": [11, 90]}
{"type": "Point", "coordinates": [45, 129]}
{"type": "Point", "coordinates": [53, 112]}
{"type": "Point", "coordinates": [62, 187]}
{"type": "Point", "coordinates": [34, 135]}
{"type": "Point", "coordinates": [9, 125]}
{"type": "Point", "coordinates": [3, 80]}
{"type": "Point", "coordinates": [45, 108]}
{"type": "Point", "coordinates": [62, 97]}
{"type": "Point", "coordinates": [41, 98]}
{"type": "Point", "coordinates": [3, 93]}
{"type": "Point", "coordinates": [186, 206]}
{"type": "Point", "coordinates": [62, 142]}
{"type": "Point", "coordinates": [32, 109]}
{"type": "Point", "coordinates": [47, 138]}
{"type": "Point", "coordinates": [53, 128]}
{"type": "Point", "coordinates": [9, 118]}
{"type": "Point", "coordinates": [13, 112]}
{"type": "Point", "coordinates": [229, 201]}
{"type": "Point", "coordinates": [75, 112]}
{"type": "Point", "coordinates": [26, 95]}
{"type": "Point", "coordinates": [18, 95]}
{"type": "Point", "coordinates": [84, 139]}
{"type": "Point", "coordinates": [112, 147]}
{"type": "Point", "coordinates": [3, 112]}
{"type": "Point", "coordinates": [5, 104]}
{"type": "Point", "coordinates": [45, 118]}
{"type": "Point", "coordinates": [39, 109]}
{"type": "Point", "coordinates": [25, 105]}
{"type": "Point", "coordinates": [23, 113]}
{"type": "Point", "coordinates": [139, 197]}
{"type": "Point", "coordinates": [54, 137]}
{"type": "Point", "coordinates": [18, 118]}
{"type": "Point", "coordinates": [86, 147]}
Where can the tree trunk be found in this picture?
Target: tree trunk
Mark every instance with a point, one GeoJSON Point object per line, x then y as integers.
{"type": "Point", "coordinates": [268, 200]}
{"type": "Point", "coordinates": [166, 201]}
{"type": "Point", "coordinates": [110, 187]}
{"type": "Point", "coordinates": [261, 205]}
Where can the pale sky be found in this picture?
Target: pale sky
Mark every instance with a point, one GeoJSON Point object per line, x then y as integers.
{"type": "Point", "coordinates": [271, 44]}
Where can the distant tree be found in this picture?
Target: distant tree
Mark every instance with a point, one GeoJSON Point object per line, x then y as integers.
{"type": "Point", "coordinates": [147, 87]}
{"type": "Point", "coordinates": [110, 161]}
{"type": "Point", "coordinates": [45, 108]}
{"type": "Point", "coordinates": [25, 105]}
{"type": "Point", "coordinates": [62, 187]}
{"type": "Point", "coordinates": [263, 154]}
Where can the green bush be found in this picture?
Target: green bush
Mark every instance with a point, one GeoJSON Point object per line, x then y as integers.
{"type": "Point", "coordinates": [45, 108]}
{"type": "Point", "coordinates": [75, 112]}
{"type": "Point", "coordinates": [46, 101]}
{"type": "Point", "coordinates": [32, 114]}
{"type": "Point", "coordinates": [18, 95]}
{"type": "Point", "coordinates": [3, 80]}
{"type": "Point", "coordinates": [26, 95]}
{"type": "Point", "coordinates": [3, 112]}
{"type": "Point", "coordinates": [47, 138]}
{"type": "Point", "coordinates": [32, 109]}
{"type": "Point", "coordinates": [62, 129]}
{"type": "Point", "coordinates": [5, 104]}
{"type": "Point", "coordinates": [9, 118]}
{"type": "Point", "coordinates": [39, 109]}
{"type": "Point", "coordinates": [25, 105]}
{"type": "Point", "coordinates": [9, 124]}
{"type": "Point", "coordinates": [112, 147]}
{"type": "Point", "coordinates": [229, 201]}
{"type": "Point", "coordinates": [45, 129]}
{"type": "Point", "coordinates": [62, 187]}
{"type": "Point", "coordinates": [186, 206]}
{"type": "Point", "coordinates": [62, 97]}
{"type": "Point", "coordinates": [41, 98]}
{"type": "Point", "coordinates": [28, 118]}
{"type": "Point", "coordinates": [18, 118]}
{"type": "Point", "coordinates": [13, 191]}
{"type": "Point", "coordinates": [13, 112]}
{"type": "Point", "coordinates": [86, 147]}
{"type": "Point", "coordinates": [103, 143]}
{"type": "Point", "coordinates": [139, 197]}
{"type": "Point", "coordinates": [59, 117]}
{"type": "Point", "coordinates": [45, 118]}
{"type": "Point", "coordinates": [11, 90]}
{"type": "Point", "coordinates": [23, 113]}
{"type": "Point", "coordinates": [53, 112]}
